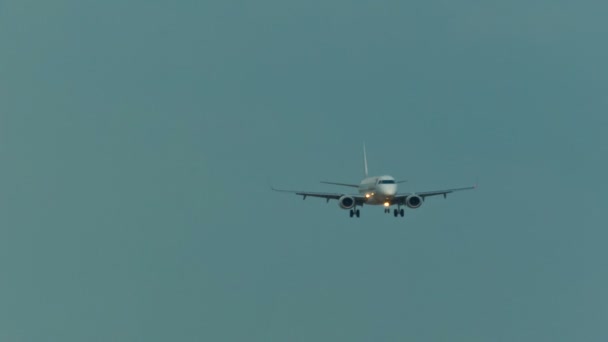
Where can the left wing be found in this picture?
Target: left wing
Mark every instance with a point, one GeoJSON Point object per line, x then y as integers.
{"type": "Point", "coordinates": [400, 198]}
{"type": "Point", "coordinates": [358, 198]}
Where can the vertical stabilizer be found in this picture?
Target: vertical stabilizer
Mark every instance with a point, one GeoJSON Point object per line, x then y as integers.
{"type": "Point", "coordinates": [365, 160]}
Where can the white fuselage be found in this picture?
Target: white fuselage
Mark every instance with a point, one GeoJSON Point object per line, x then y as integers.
{"type": "Point", "coordinates": [378, 190]}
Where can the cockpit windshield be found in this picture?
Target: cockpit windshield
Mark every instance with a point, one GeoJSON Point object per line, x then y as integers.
{"type": "Point", "coordinates": [386, 181]}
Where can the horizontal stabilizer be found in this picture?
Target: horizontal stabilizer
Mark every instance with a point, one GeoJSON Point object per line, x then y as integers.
{"type": "Point", "coordinates": [342, 184]}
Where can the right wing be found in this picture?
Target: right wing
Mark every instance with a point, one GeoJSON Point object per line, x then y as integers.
{"type": "Point", "coordinates": [341, 184]}
{"type": "Point", "coordinates": [358, 198]}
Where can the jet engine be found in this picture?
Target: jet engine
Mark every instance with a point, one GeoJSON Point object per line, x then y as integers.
{"type": "Point", "coordinates": [413, 201]}
{"type": "Point", "coordinates": [346, 202]}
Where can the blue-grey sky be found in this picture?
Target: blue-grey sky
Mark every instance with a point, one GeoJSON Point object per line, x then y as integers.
{"type": "Point", "coordinates": [138, 140]}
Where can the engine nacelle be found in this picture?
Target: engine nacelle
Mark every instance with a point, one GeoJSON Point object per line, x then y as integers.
{"type": "Point", "coordinates": [413, 201]}
{"type": "Point", "coordinates": [346, 202]}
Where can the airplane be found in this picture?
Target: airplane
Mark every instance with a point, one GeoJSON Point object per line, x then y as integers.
{"type": "Point", "coordinates": [378, 190]}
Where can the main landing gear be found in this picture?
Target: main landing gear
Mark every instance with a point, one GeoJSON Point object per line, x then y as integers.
{"type": "Point", "coordinates": [396, 212]}
{"type": "Point", "coordinates": [354, 212]}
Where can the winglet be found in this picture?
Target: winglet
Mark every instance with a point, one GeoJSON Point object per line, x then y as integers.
{"type": "Point", "coordinates": [278, 190]}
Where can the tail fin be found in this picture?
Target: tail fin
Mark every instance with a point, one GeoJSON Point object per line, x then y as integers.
{"type": "Point", "coordinates": [365, 160]}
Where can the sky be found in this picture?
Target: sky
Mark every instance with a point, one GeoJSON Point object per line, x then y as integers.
{"type": "Point", "coordinates": [139, 140]}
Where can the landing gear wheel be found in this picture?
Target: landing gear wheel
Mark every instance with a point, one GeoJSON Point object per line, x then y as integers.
{"type": "Point", "coordinates": [402, 212]}
{"type": "Point", "coordinates": [357, 212]}
{"type": "Point", "coordinates": [395, 212]}
{"type": "Point", "coordinates": [352, 213]}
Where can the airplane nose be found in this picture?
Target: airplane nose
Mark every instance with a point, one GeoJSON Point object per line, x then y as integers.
{"type": "Point", "coordinates": [389, 189]}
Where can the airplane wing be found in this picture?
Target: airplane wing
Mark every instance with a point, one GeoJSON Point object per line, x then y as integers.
{"type": "Point", "coordinates": [341, 184]}
{"type": "Point", "coordinates": [400, 198]}
{"type": "Point", "coordinates": [359, 199]}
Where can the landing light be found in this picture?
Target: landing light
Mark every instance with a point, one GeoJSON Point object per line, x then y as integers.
{"type": "Point", "coordinates": [386, 204]}
{"type": "Point", "coordinates": [367, 195]}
